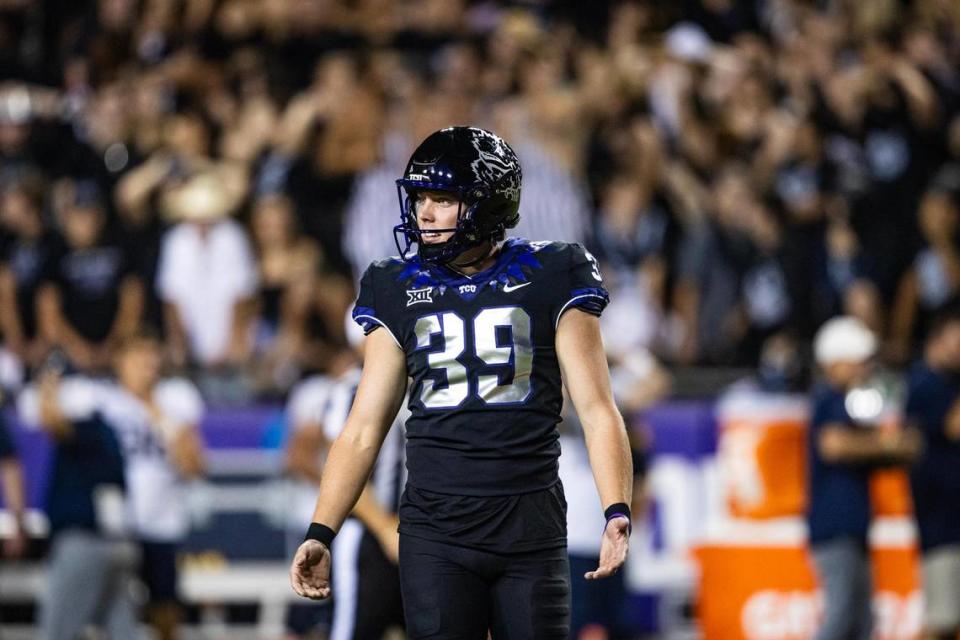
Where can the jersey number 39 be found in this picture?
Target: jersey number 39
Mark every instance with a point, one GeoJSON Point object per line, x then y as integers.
{"type": "Point", "coordinates": [518, 355]}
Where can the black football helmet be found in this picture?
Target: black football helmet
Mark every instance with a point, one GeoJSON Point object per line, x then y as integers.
{"type": "Point", "coordinates": [484, 173]}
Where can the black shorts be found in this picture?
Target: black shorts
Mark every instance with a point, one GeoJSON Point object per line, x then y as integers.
{"type": "Point", "coordinates": [366, 586]}
{"type": "Point", "coordinates": [460, 593]}
{"type": "Point", "coordinates": [499, 524]}
{"type": "Point", "coordinates": [158, 570]}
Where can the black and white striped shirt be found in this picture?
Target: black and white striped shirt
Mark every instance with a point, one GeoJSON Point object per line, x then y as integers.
{"type": "Point", "coordinates": [389, 474]}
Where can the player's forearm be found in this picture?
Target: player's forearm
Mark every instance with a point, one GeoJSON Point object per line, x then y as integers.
{"type": "Point", "coordinates": [352, 455]}
{"type": "Point", "coordinates": [345, 474]}
{"type": "Point", "coordinates": [609, 451]}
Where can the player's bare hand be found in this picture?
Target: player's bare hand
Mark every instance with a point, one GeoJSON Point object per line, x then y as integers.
{"type": "Point", "coordinates": [310, 570]}
{"type": "Point", "coordinates": [613, 549]}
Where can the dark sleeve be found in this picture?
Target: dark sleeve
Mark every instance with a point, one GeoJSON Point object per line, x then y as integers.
{"type": "Point", "coordinates": [827, 409]}
{"type": "Point", "coordinates": [366, 312]}
{"type": "Point", "coordinates": [6, 248]}
{"type": "Point", "coordinates": [585, 288]}
{"type": "Point", "coordinates": [128, 262]}
{"type": "Point", "coordinates": [94, 441]}
{"type": "Point", "coordinates": [915, 401]}
{"type": "Point", "coordinates": [924, 408]}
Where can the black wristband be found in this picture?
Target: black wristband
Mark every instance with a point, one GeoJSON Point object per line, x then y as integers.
{"type": "Point", "coordinates": [618, 509]}
{"type": "Point", "coordinates": [320, 533]}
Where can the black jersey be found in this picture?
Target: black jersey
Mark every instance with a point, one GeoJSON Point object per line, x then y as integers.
{"type": "Point", "coordinates": [486, 396]}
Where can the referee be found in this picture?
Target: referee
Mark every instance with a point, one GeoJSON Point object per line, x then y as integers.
{"type": "Point", "coordinates": [367, 600]}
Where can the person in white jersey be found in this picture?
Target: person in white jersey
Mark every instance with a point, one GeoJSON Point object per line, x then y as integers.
{"type": "Point", "coordinates": [156, 420]}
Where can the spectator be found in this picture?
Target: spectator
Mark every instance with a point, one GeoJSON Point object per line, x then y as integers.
{"type": "Point", "coordinates": [841, 265]}
{"type": "Point", "coordinates": [17, 148]}
{"type": "Point", "coordinates": [32, 135]}
{"type": "Point", "coordinates": [632, 224]}
{"type": "Point", "coordinates": [14, 499]}
{"type": "Point", "coordinates": [207, 275]}
{"type": "Point", "coordinates": [637, 318]}
{"type": "Point", "coordinates": [156, 420]}
{"type": "Point", "coordinates": [318, 171]}
{"type": "Point", "coordinates": [742, 290]}
{"type": "Point", "coordinates": [783, 368]}
{"type": "Point", "coordinates": [894, 111]}
{"type": "Point", "coordinates": [933, 404]}
{"type": "Point", "coordinates": [840, 455]}
{"type": "Point", "coordinates": [933, 280]}
{"type": "Point", "coordinates": [180, 150]}
{"type": "Point", "coordinates": [89, 299]}
{"type": "Point", "coordinates": [767, 303]}
{"type": "Point", "coordinates": [539, 121]}
{"type": "Point", "coordinates": [92, 561]}
{"type": "Point", "coordinates": [799, 187]}
{"type": "Point", "coordinates": [633, 236]}
{"type": "Point", "coordinates": [288, 264]}
{"type": "Point", "coordinates": [289, 269]}
{"type": "Point", "coordinates": [862, 301]}
{"type": "Point", "coordinates": [26, 249]}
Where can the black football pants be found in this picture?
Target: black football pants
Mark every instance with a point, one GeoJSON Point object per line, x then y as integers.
{"type": "Point", "coordinates": [452, 592]}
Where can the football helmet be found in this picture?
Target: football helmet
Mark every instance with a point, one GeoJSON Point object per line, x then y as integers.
{"type": "Point", "coordinates": [481, 169]}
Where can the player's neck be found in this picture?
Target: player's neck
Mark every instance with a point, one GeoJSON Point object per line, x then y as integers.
{"type": "Point", "coordinates": [468, 264]}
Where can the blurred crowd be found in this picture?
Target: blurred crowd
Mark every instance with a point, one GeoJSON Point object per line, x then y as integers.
{"type": "Point", "coordinates": [221, 170]}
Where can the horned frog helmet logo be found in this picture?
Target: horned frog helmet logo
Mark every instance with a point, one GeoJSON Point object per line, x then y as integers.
{"type": "Point", "coordinates": [492, 165]}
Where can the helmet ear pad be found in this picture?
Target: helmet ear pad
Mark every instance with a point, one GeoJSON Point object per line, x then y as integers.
{"type": "Point", "coordinates": [493, 216]}
{"type": "Point", "coordinates": [494, 209]}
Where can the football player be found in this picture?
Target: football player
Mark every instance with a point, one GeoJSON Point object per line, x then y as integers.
{"type": "Point", "coordinates": [484, 328]}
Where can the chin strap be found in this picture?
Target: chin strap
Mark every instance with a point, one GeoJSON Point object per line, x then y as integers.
{"type": "Point", "coordinates": [483, 256]}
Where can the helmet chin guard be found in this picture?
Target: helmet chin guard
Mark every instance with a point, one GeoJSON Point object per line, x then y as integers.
{"type": "Point", "coordinates": [481, 170]}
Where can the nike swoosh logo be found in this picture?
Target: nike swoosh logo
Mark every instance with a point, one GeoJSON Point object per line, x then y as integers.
{"type": "Point", "coordinates": [508, 288]}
